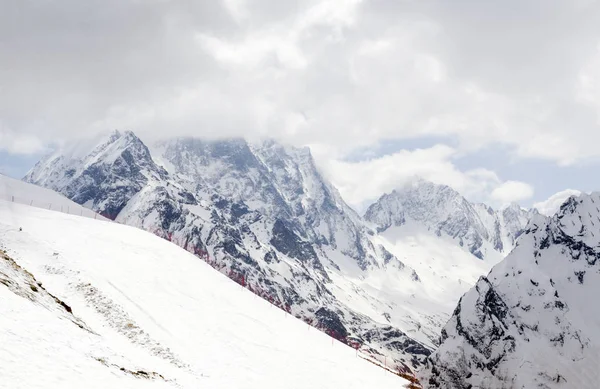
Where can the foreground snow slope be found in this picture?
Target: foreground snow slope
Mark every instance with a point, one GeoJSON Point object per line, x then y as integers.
{"type": "Point", "coordinates": [94, 304]}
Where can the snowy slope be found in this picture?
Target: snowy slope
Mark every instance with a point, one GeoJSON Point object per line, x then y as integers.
{"type": "Point", "coordinates": [24, 193]}
{"type": "Point", "coordinates": [445, 270]}
{"type": "Point", "coordinates": [95, 304]}
{"type": "Point", "coordinates": [533, 321]}
{"type": "Point", "coordinates": [263, 215]}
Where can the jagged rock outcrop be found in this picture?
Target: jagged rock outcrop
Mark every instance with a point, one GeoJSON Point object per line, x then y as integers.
{"type": "Point", "coordinates": [531, 323]}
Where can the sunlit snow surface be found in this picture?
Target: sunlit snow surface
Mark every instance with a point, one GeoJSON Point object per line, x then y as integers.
{"type": "Point", "coordinates": [147, 306]}
{"type": "Point", "coordinates": [13, 190]}
{"type": "Point", "coordinates": [421, 308]}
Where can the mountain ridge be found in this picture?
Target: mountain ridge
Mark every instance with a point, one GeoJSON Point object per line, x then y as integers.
{"type": "Point", "coordinates": [263, 214]}
{"type": "Point", "coordinates": [280, 230]}
{"type": "Point", "coordinates": [441, 209]}
{"type": "Point", "coordinates": [96, 304]}
{"type": "Point", "coordinates": [527, 323]}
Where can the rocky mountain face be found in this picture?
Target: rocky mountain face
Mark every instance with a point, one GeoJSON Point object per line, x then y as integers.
{"type": "Point", "coordinates": [444, 212]}
{"type": "Point", "coordinates": [264, 216]}
{"type": "Point", "coordinates": [532, 322]}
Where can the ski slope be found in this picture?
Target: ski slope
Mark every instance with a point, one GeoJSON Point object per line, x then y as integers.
{"type": "Point", "coordinates": [13, 190]}
{"type": "Point", "coordinates": [146, 314]}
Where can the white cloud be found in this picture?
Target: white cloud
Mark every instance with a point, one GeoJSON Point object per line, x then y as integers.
{"type": "Point", "coordinates": [237, 8]}
{"type": "Point", "coordinates": [18, 143]}
{"type": "Point", "coordinates": [355, 71]}
{"type": "Point", "coordinates": [512, 191]}
{"type": "Point", "coordinates": [343, 74]}
{"type": "Point", "coordinates": [360, 183]}
{"type": "Point", "coordinates": [550, 206]}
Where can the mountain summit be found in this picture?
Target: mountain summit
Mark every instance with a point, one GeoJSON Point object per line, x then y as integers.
{"type": "Point", "coordinates": [444, 212]}
{"type": "Point", "coordinates": [530, 323]}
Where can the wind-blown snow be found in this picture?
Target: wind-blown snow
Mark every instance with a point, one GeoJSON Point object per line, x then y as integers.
{"type": "Point", "coordinates": [550, 206]}
{"type": "Point", "coordinates": [150, 314]}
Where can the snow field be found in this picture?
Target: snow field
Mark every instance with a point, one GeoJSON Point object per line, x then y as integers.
{"type": "Point", "coordinates": [17, 191]}
{"type": "Point", "coordinates": [152, 307]}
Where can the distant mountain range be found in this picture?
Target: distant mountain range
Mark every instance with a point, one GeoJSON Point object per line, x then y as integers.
{"type": "Point", "coordinates": [262, 214]}
{"type": "Point", "coordinates": [443, 211]}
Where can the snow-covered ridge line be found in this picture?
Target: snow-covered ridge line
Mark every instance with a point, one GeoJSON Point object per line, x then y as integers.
{"type": "Point", "coordinates": [76, 210]}
{"type": "Point", "coordinates": [482, 231]}
{"type": "Point", "coordinates": [263, 215]}
{"type": "Point", "coordinates": [530, 322]}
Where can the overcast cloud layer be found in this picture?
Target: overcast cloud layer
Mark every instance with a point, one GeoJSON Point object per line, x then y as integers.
{"type": "Point", "coordinates": [338, 75]}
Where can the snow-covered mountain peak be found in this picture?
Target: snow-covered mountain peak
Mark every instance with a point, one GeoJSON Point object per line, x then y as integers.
{"type": "Point", "coordinates": [513, 211]}
{"type": "Point", "coordinates": [104, 174]}
{"type": "Point", "coordinates": [279, 181]}
{"type": "Point", "coordinates": [423, 198]}
{"type": "Point", "coordinates": [106, 148]}
{"type": "Point", "coordinates": [267, 172]}
{"type": "Point", "coordinates": [428, 189]}
{"type": "Point", "coordinates": [122, 145]}
{"type": "Point", "coordinates": [419, 200]}
{"type": "Point", "coordinates": [529, 323]}
{"type": "Point", "coordinates": [579, 217]}
{"type": "Point", "coordinates": [444, 212]}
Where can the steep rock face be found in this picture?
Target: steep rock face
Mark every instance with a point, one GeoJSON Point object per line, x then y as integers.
{"type": "Point", "coordinates": [263, 215]}
{"type": "Point", "coordinates": [513, 220]}
{"type": "Point", "coordinates": [530, 323]}
{"type": "Point", "coordinates": [105, 179]}
{"type": "Point", "coordinates": [504, 225]}
{"type": "Point", "coordinates": [444, 212]}
{"type": "Point", "coordinates": [275, 180]}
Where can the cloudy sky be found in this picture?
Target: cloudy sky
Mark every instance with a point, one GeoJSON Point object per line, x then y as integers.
{"type": "Point", "coordinates": [499, 99]}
